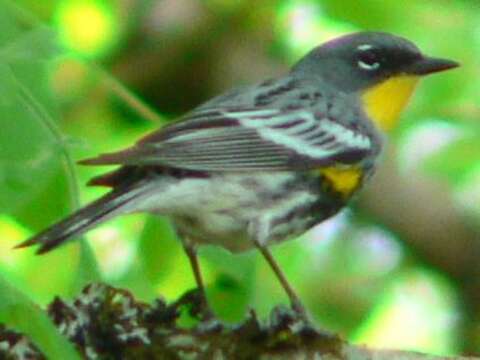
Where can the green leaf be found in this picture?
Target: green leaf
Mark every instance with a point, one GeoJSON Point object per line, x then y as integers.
{"type": "Point", "coordinates": [88, 271]}
{"type": "Point", "coordinates": [155, 259]}
{"type": "Point", "coordinates": [9, 28]}
{"type": "Point", "coordinates": [21, 314]}
{"type": "Point", "coordinates": [229, 280]}
{"type": "Point", "coordinates": [38, 44]}
{"type": "Point", "coordinates": [157, 249]}
{"type": "Point", "coordinates": [37, 180]}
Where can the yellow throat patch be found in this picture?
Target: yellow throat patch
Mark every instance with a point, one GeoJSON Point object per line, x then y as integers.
{"type": "Point", "coordinates": [384, 102]}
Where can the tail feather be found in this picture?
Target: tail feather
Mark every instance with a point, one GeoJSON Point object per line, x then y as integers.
{"type": "Point", "coordinates": [82, 220]}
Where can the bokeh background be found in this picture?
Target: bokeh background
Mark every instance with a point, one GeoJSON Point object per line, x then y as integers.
{"type": "Point", "coordinates": [399, 269]}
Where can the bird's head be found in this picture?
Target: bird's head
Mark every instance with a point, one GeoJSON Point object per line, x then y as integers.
{"type": "Point", "coordinates": [382, 68]}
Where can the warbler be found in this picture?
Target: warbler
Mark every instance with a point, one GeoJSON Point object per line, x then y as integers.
{"type": "Point", "coordinates": [264, 163]}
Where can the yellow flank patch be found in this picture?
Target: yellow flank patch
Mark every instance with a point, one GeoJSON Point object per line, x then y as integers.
{"type": "Point", "coordinates": [343, 180]}
{"type": "Point", "coordinates": [384, 102]}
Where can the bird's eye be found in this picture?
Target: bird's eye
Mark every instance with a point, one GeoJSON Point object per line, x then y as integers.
{"type": "Point", "coordinates": [368, 58]}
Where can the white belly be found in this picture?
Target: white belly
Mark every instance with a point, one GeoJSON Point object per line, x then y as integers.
{"type": "Point", "coordinates": [220, 210]}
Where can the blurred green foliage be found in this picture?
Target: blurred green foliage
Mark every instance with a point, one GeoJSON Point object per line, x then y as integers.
{"type": "Point", "coordinates": [62, 66]}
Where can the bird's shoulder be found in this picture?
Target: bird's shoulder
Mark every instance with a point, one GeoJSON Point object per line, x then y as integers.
{"type": "Point", "coordinates": [271, 93]}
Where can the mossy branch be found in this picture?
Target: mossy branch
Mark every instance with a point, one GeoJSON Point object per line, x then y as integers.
{"type": "Point", "coordinates": [108, 323]}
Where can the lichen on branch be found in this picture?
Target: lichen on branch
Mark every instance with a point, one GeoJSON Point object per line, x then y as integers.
{"type": "Point", "coordinates": [108, 323]}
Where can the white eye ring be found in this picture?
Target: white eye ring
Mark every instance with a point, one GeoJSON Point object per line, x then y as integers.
{"type": "Point", "coordinates": [369, 67]}
{"type": "Point", "coordinates": [363, 65]}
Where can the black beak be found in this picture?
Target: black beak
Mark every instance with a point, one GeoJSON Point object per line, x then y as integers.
{"type": "Point", "coordinates": [429, 65]}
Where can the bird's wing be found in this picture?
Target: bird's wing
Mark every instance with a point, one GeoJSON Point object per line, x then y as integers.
{"type": "Point", "coordinates": [245, 139]}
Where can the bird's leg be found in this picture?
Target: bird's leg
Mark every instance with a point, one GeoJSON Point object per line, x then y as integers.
{"type": "Point", "coordinates": [191, 252]}
{"type": "Point", "coordinates": [295, 302]}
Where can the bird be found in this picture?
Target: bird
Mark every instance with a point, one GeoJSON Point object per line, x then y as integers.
{"type": "Point", "coordinates": [263, 163]}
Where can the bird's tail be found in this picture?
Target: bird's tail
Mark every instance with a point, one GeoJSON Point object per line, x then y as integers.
{"type": "Point", "coordinates": [114, 203]}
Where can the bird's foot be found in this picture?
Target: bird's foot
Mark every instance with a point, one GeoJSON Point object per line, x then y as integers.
{"type": "Point", "coordinates": [296, 319]}
{"type": "Point", "coordinates": [196, 301]}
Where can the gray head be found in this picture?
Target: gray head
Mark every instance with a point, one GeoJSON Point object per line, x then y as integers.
{"type": "Point", "coordinates": [360, 60]}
